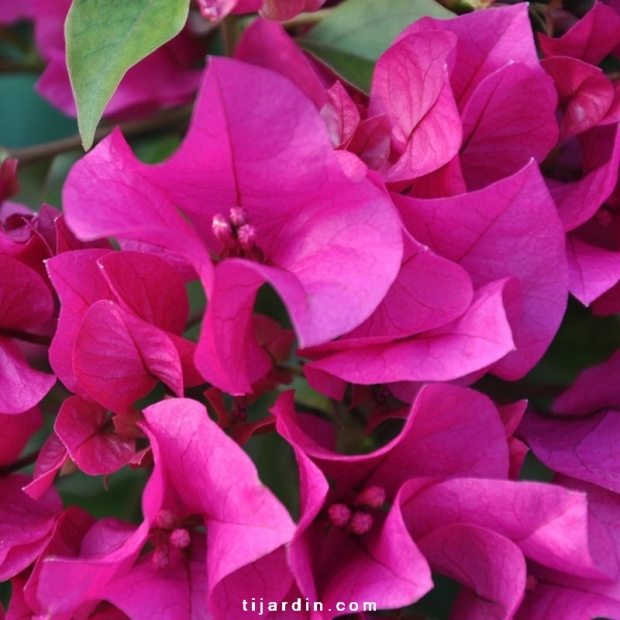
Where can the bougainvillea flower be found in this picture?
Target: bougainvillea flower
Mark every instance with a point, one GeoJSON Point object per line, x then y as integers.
{"type": "Point", "coordinates": [509, 119]}
{"type": "Point", "coordinates": [487, 41]}
{"type": "Point", "coordinates": [479, 531]}
{"type": "Point", "coordinates": [51, 459]}
{"type": "Point", "coordinates": [165, 78]}
{"type": "Point", "coordinates": [552, 592]}
{"type": "Point", "coordinates": [585, 174]}
{"type": "Point", "coordinates": [15, 431]}
{"type": "Point", "coordinates": [581, 442]}
{"type": "Point", "coordinates": [592, 38]}
{"type": "Point", "coordinates": [476, 340]}
{"type": "Point", "coordinates": [290, 233]}
{"type": "Point", "coordinates": [201, 479]}
{"type": "Point", "coordinates": [81, 426]}
{"type": "Point", "coordinates": [177, 592]}
{"type": "Point", "coordinates": [244, 522]}
{"type": "Point", "coordinates": [268, 45]}
{"type": "Point", "coordinates": [411, 88]}
{"type": "Point", "coordinates": [585, 94]}
{"type": "Point", "coordinates": [510, 228]}
{"type": "Point", "coordinates": [26, 524]}
{"type": "Point", "coordinates": [583, 448]}
{"type": "Point", "coordinates": [345, 547]}
{"type": "Point", "coordinates": [21, 386]}
{"type": "Point", "coordinates": [595, 389]}
{"type": "Point", "coordinates": [142, 302]}
{"type": "Point", "coordinates": [490, 234]}
{"type": "Point", "coordinates": [505, 100]}
{"type": "Point", "coordinates": [26, 303]}
{"type": "Point", "coordinates": [582, 182]}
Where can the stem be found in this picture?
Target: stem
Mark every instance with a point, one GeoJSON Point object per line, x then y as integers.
{"type": "Point", "coordinates": [306, 19]}
{"type": "Point", "coordinates": [32, 154]}
{"type": "Point", "coordinates": [230, 34]}
{"type": "Point", "coordinates": [9, 66]}
{"type": "Point", "coordinates": [27, 337]}
{"type": "Point", "coordinates": [19, 464]}
{"type": "Point", "coordinates": [194, 319]}
{"type": "Point", "coordinates": [293, 370]}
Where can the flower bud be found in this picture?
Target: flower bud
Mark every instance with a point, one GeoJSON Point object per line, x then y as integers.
{"type": "Point", "coordinates": [339, 514]}
{"type": "Point", "coordinates": [371, 497]}
{"type": "Point", "coordinates": [360, 523]}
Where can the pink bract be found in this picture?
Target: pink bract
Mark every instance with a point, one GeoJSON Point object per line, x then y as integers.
{"type": "Point", "coordinates": [312, 218]}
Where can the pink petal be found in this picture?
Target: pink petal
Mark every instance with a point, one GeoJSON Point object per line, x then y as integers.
{"type": "Point", "coordinates": [121, 202]}
{"type": "Point", "coordinates": [487, 41]}
{"type": "Point", "coordinates": [428, 292]}
{"type": "Point", "coordinates": [479, 338]}
{"type": "Point", "coordinates": [586, 94]}
{"type": "Point", "coordinates": [579, 200]}
{"type": "Point", "coordinates": [508, 228]}
{"type": "Point", "coordinates": [80, 425]}
{"type": "Point", "coordinates": [371, 141]}
{"type": "Point", "coordinates": [215, 478]}
{"type": "Point", "coordinates": [584, 448]}
{"type": "Point", "coordinates": [79, 284]}
{"type": "Point", "coordinates": [52, 456]}
{"type": "Point", "coordinates": [15, 431]}
{"type": "Point", "coordinates": [178, 592]}
{"type": "Point", "coordinates": [148, 287]}
{"type": "Point", "coordinates": [450, 431]}
{"type": "Point", "coordinates": [25, 298]}
{"type": "Point", "coordinates": [591, 271]}
{"type": "Point", "coordinates": [410, 86]}
{"type": "Point", "coordinates": [21, 387]}
{"type": "Point", "coordinates": [509, 119]}
{"type": "Point", "coordinates": [592, 38]}
{"type": "Point", "coordinates": [596, 388]}
{"type": "Point", "coordinates": [547, 522]}
{"type": "Point", "coordinates": [490, 567]}
{"type": "Point", "coordinates": [575, 596]}
{"type": "Point", "coordinates": [26, 524]}
{"type": "Point", "coordinates": [268, 45]}
{"type": "Point", "coordinates": [340, 114]}
{"type": "Point", "coordinates": [228, 354]}
{"type": "Point", "coordinates": [118, 358]}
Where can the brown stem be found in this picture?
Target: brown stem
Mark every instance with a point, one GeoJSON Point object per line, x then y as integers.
{"type": "Point", "coordinates": [32, 154]}
{"type": "Point", "coordinates": [9, 66]}
{"type": "Point", "coordinates": [19, 464]}
{"type": "Point", "coordinates": [293, 370]}
{"type": "Point", "coordinates": [194, 319]}
{"type": "Point", "coordinates": [26, 336]}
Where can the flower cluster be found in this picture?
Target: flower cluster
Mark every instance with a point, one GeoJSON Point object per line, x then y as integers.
{"type": "Point", "coordinates": [423, 240]}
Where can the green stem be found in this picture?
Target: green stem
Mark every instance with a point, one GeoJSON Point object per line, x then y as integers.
{"type": "Point", "coordinates": [304, 20]}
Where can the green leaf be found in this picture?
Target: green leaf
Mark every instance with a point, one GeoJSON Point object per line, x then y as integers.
{"type": "Point", "coordinates": [107, 37]}
{"type": "Point", "coordinates": [354, 34]}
